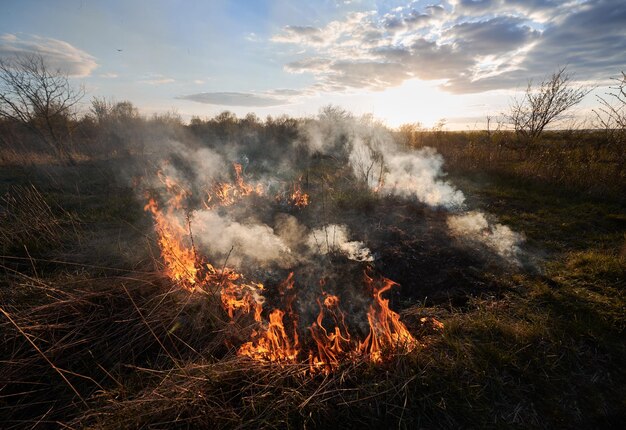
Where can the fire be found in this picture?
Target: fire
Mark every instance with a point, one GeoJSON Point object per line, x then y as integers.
{"type": "Point", "coordinates": [179, 259]}
{"type": "Point", "coordinates": [273, 342]}
{"type": "Point", "coordinates": [278, 335]}
{"type": "Point", "coordinates": [387, 333]}
{"type": "Point", "coordinates": [299, 198]}
{"type": "Point", "coordinates": [177, 193]}
{"type": "Point", "coordinates": [236, 295]}
{"type": "Point", "coordinates": [186, 268]}
{"type": "Point", "coordinates": [386, 329]}
{"type": "Point", "coordinates": [331, 347]}
{"type": "Point", "coordinates": [226, 194]}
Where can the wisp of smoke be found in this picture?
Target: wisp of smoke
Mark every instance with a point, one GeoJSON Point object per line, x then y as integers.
{"type": "Point", "coordinates": [333, 238]}
{"type": "Point", "coordinates": [416, 175]}
{"type": "Point", "coordinates": [473, 226]}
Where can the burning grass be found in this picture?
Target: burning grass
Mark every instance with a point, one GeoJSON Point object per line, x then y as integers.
{"type": "Point", "coordinates": [278, 336]}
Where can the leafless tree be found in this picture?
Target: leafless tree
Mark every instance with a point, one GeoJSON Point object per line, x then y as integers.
{"type": "Point", "coordinates": [611, 115]}
{"type": "Point", "coordinates": [40, 98]}
{"type": "Point", "coordinates": [539, 107]}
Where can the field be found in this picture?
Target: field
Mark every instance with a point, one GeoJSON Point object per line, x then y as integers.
{"type": "Point", "coordinates": [97, 333]}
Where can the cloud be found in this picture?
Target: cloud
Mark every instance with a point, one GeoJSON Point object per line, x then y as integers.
{"type": "Point", "coordinates": [251, 37]}
{"type": "Point", "coordinates": [309, 65]}
{"type": "Point", "coordinates": [590, 41]}
{"type": "Point", "coordinates": [286, 92]}
{"type": "Point", "coordinates": [235, 99]}
{"type": "Point", "coordinates": [157, 80]}
{"type": "Point", "coordinates": [474, 45]}
{"type": "Point", "coordinates": [57, 54]}
{"type": "Point", "coordinates": [300, 35]}
{"type": "Point", "coordinates": [493, 36]}
{"type": "Point", "coordinates": [108, 75]}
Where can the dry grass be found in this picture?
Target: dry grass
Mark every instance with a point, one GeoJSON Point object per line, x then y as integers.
{"type": "Point", "coordinates": [28, 221]}
{"type": "Point", "coordinates": [580, 160]}
{"type": "Point", "coordinates": [85, 344]}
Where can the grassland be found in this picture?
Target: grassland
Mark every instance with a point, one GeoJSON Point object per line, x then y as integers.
{"type": "Point", "coordinates": [94, 336]}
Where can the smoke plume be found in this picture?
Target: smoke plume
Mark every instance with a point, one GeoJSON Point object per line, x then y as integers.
{"type": "Point", "coordinates": [474, 227]}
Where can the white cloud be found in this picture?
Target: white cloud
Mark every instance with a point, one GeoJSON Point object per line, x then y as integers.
{"type": "Point", "coordinates": [57, 54]}
{"type": "Point", "coordinates": [236, 99]}
{"type": "Point", "coordinates": [157, 80]}
{"type": "Point", "coordinates": [473, 45]}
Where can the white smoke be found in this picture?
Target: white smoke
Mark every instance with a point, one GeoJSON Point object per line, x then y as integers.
{"type": "Point", "coordinates": [333, 238]}
{"type": "Point", "coordinates": [186, 168]}
{"type": "Point", "coordinates": [416, 175]}
{"type": "Point", "coordinates": [473, 226]}
{"type": "Point", "coordinates": [377, 160]}
{"type": "Point", "coordinates": [223, 237]}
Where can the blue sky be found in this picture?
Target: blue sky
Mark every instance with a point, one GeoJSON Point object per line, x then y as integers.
{"type": "Point", "coordinates": [401, 61]}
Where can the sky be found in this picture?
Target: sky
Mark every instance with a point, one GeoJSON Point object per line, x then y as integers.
{"type": "Point", "coordinates": [402, 61]}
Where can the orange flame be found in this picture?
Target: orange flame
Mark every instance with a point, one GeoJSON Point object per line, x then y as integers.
{"type": "Point", "coordinates": [180, 260]}
{"type": "Point", "coordinates": [273, 342]}
{"type": "Point", "coordinates": [276, 339]}
{"type": "Point", "coordinates": [387, 333]}
{"type": "Point", "coordinates": [226, 194]}
{"type": "Point", "coordinates": [386, 330]}
{"type": "Point", "coordinates": [298, 198]}
{"type": "Point", "coordinates": [240, 296]}
{"type": "Point", "coordinates": [331, 347]}
{"type": "Point", "coordinates": [177, 194]}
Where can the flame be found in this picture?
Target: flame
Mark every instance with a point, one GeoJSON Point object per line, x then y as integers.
{"type": "Point", "coordinates": [298, 198]}
{"type": "Point", "coordinates": [179, 259]}
{"type": "Point", "coordinates": [237, 295]}
{"type": "Point", "coordinates": [386, 330]}
{"type": "Point", "coordinates": [387, 334]}
{"type": "Point", "coordinates": [331, 347]}
{"type": "Point", "coordinates": [177, 193]}
{"type": "Point", "coordinates": [273, 342]}
{"type": "Point", "coordinates": [184, 267]}
{"type": "Point", "coordinates": [226, 194]}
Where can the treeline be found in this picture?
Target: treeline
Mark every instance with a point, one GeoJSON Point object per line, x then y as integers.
{"type": "Point", "coordinates": [586, 160]}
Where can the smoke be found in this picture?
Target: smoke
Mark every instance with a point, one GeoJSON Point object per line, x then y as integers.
{"type": "Point", "coordinates": [252, 233]}
{"type": "Point", "coordinates": [221, 237]}
{"type": "Point", "coordinates": [184, 167]}
{"type": "Point", "coordinates": [333, 238]}
{"type": "Point", "coordinates": [474, 227]}
{"type": "Point", "coordinates": [378, 161]}
{"type": "Point", "coordinates": [384, 167]}
{"type": "Point", "coordinates": [417, 175]}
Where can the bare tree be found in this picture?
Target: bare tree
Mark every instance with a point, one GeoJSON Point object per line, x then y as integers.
{"type": "Point", "coordinates": [611, 115]}
{"type": "Point", "coordinates": [40, 98]}
{"type": "Point", "coordinates": [539, 107]}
